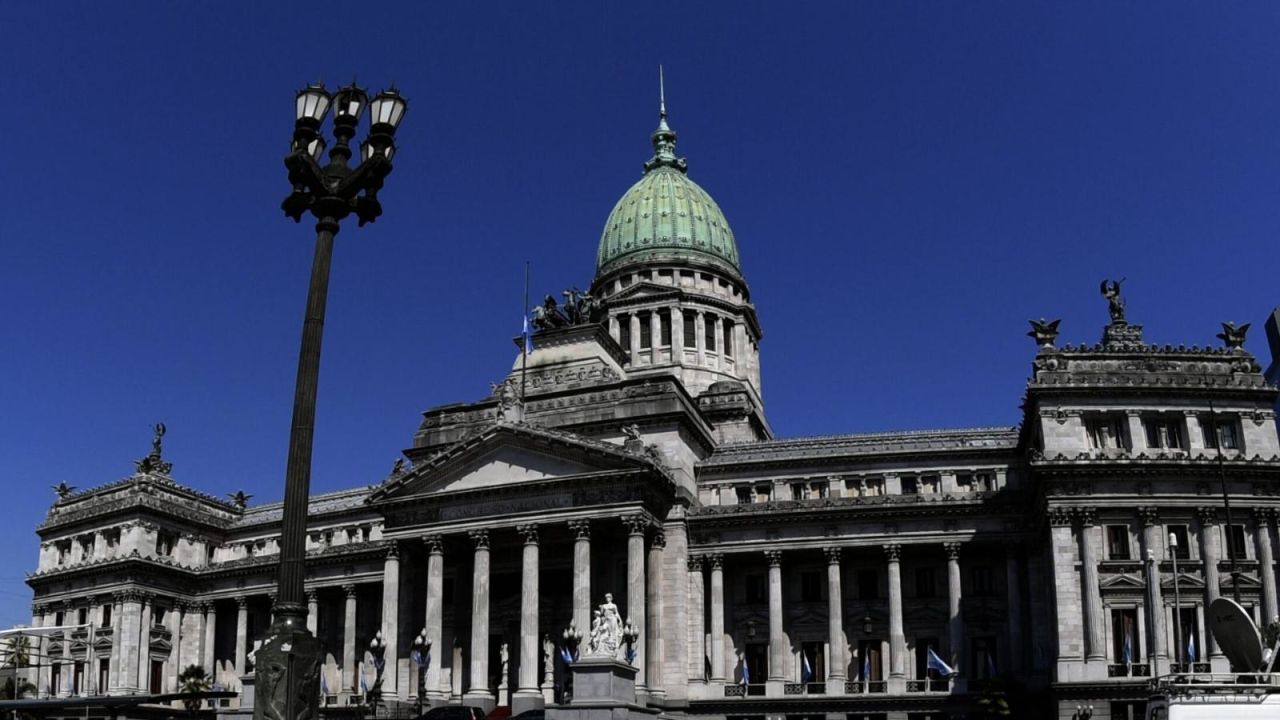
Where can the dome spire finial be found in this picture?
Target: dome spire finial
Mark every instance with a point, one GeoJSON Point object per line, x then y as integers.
{"type": "Point", "coordinates": [664, 138]}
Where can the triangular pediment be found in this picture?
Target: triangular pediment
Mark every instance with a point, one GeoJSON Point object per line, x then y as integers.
{"type": "Point", "coordinates": [1185, 581]}
{"type": "Point", "coordinates": [1122, 582]}
{"type": "Point", "coordinates": [509, 455]}
{"type": "Point", "coordinates": [642, 291]}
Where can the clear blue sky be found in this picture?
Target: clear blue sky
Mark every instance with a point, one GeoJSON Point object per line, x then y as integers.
{"type": "Point", "coordinates": [908, 182]}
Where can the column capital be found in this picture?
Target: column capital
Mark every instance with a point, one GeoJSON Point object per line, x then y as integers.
{"type": "Point", "coordinates": [204, 606]}
{"type": "Point", "coordinates": [1085, 516]}
{"type": "Point", "coordinates": [529, 533]}
{"type": "Point", "coordinates": [1149, 516]}
{"type": "Point", "coordinates": [350, 590]}
{"type": "Point", "coordinates": [242, 601]}
{"type": "Point", "coordinates": [1059, 517]}
{"type": "Point", "coordinates": [1208, 515]}
{"type": "Point", "coordinates": [952, 549]}
{"type": "Point", "coordinates": [480, 538]}
{"type": "Point", "coordinates": [774, 557]}
{"type": "Point", "coordinates": [833, 554]}
{"type": "Point", "coordinates": [271, 598]}
{"type": "Point", "coordinates": [434, 543]}
{"type": "Point", "coordinates": [636, 524]}
{"type": "Point", "coordinates": [313, 595]}
{"type": "Point", "coordinates": [694, 563]}
{"type": "Point", "coordinates": [393, 552]}
{"type": "Point", "coordinates": [893, 552]}
{"type": "Point", "coordinates": [1264, 516]}
{"type": "Point", "coordinates": [716, 560]}
{"type": "Point", "coordinates": [659, 541]}
{"type": "Point", "coordinates": [581, 529]}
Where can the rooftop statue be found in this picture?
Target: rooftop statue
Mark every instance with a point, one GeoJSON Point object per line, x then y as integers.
{"type": "Point", "coordinates": [63, 490]}
{"type": "Point", "coordinates": [579, 308]}
{"type": "Point", "coordinates": [153, 462]}
{"type": "Point", "coordinates": [606, 630]}
{"type": "Point", "coordinates": [1045, 332]}
{"type": "Point", "coordinates": [1115, 304]}
{"type": "Point", "coordinates": [1232, 336]}
{"type": "Point", "coordinates": [240, 499]}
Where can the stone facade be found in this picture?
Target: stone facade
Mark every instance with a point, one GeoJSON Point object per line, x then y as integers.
{"type": "Point", "coordinates": [764, 576]}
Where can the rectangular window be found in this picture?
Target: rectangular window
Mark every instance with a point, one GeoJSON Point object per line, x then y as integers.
{"type": "Point", "coordinates": [690, 329]}
{"type": "Point", "coordinates": [875, 487]}
{"type": "Point", "coordinates": [1106, 432]}
{"type": "Point", "coordinates": [981, 581]}
{"type": "Point", "coordinates": [964, 482]}
{"type": "Point", "coordinates": [744, 495]}
{"type": "Point", "coordinates": [868, 584]}
{"type": "Point", "coordinates": [77, 679]}
{"type": "Point", "coordinates": [909, 486]}
{"type": "Point", "coordinates": [869, 669]}
{"type": "Point", "coordinates": [1124, 636]}
{"type": "Point", "coordinates": [646, 331]}
{"type": "Point", "coordinates": [82, 616]}
{"type": "Point", "coordinates": [764, 493]}
{"type": "Point", "coordinates": [798, 491]}
{"type": "Point", "coordinates": [756, 658]}
{"type": "Point", "coordinates": [984, 482]}
{"type": "Point", "coordinates": [1192, 649]}
{"type": "Point", "coordinates": [1163, 432]}
{"type": "Point", "coordinates": [664, 328]}
{"type": "Point", "coordinates": [812, 667]}
{"type": "Point", "coordinates": [1118, 542]}
{"type": "Point", "coordinates": [624, 331]}
{"type": "Point", "coordinates": [55, 679]}
{"type": "Point", "coordinates": [157, 677]}
{"type": "Point", "coordinates": [104, 676]}
{"type": "Point", "coordinates": [757, 589]}
{"type": "Point", "coordinates": [59, 618]}
{"type": "Point", "coordinates": [709, 326]}
{"type": "Point", "coordinates": [929, 484]}
{"type": "Point", "coordinates": [818, 489]}
{"type": "Point", "coordinates": [926, 580]}
{"type": "Point", "coordinates": [982, 658]}
{"type": "Point", "coordinates": [810, 587]}
{"type": "Point", "coordinates": [106, 615]}
{"type": "Point", "coordinates": [1183, 550]}
{"type": "Point", "coordinates": [1226, 432]}
{"type": "Point", "coordinates": [157, 617]}
{"type": "Point", "coordinates": [728, 338]}
{"type": "Point", "coordinates": [1235, 540]}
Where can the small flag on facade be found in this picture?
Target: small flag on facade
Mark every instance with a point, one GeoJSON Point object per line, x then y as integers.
{"type": "Point", "coordinates": [324, 682]}
{"type": "Point", "coordinates": [1191, 647]}
{"type": "Point", "coordinates": [746, 674]}
{"type": "Point", "coordinates": [806, 670]}
{"type": "Point", "coordinates": [364, 684]}
{"type": "Point", "coordinates": [936, 663]}
{"type": "Point", "coordinates": [866, 667]}
{"type": "Point", "coordinates": [1128, 649]}
{"type": "Point", "coordinates": [991, 665]}
{"type": "Point", "coordinates": [528, 341]}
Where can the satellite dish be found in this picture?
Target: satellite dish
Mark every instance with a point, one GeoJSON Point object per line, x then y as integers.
{"type": "Point", "coordinates": [1236, 634]}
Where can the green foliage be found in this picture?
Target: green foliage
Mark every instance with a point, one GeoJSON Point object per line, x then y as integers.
{"type": "Point", "coordinates": [993, 702]}
{"type": "Point", "coordinates": [193, 679]}
{"type": "Point", "coordinates": [16, 690]}
{"type": "Point", "coordinates": [17, 652]}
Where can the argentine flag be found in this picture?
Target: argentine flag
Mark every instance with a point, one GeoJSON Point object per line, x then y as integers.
{"type": "Point", "coordinates": [866, 667]}
{"type": "Point", "coordinates": [324, 682]}
{"type": "Point", "coordinates": [528, 341]}
{"type": "Point", "coordinates": [935, 663]}
{"type": "Point", "coordinates": [1191, 647]}
{"type": "Point", "coordinates": [565, 655]}
{"type": "Point", "coordinates": [746, 674]}
{"type": "Point", "coordinates": [364, 684]}
{"type": "Point", "coordinates": [806, 670]}
{"type": "Point", "coordinates": [1128, 648]}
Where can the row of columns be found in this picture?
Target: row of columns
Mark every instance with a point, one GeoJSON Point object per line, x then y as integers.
{"type": "Point", "coordinates": [718, 337]}
{"type": "Point", "coordinates": [779, 654]}
{"type": "Point", "coordinates": [1085, 522]}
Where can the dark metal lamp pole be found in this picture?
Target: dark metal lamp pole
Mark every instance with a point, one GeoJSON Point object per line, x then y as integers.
{"type": "Point", "coordinates": [288, 663]}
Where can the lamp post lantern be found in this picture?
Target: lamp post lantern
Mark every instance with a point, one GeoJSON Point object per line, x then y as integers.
{"type": "Point", "coordinates": [420, 654]}
{"type": "Point", "coordinates": [288, 663]}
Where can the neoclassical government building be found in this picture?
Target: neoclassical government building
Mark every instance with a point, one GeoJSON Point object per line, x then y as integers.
{"type": "Point", "coordinates": [630, 453]}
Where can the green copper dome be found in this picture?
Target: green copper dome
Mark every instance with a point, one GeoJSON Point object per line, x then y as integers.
{"type": "Point", "coordinates": [666, 216]}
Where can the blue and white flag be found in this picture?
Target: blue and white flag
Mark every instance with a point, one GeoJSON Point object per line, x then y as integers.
{"type": "Point", "coordinates": [631, 655]}
{"type": "Point", "coordinates": [364, 684]}
{"type": "Point", "coordinates": [936, 663]}
{"type": "Point", "coordinates": [1191, 647]}
{"type": "Point", "coordinates": [746, 674]}
{"type": "Point", "coordinates": [866, 667]}
{"type": "Point", "coordinates": [806, 670]}
{"type": "Point", "coordinates": [324, 682]}
{"type": "Point", "coordinates": [991, 665]}
{"type": "Point", "coordinates": [565, 655]}
{"type": "Point", "coordinates": [528, 341]}
{"type": "Point", "coordinates": [1128, 648]}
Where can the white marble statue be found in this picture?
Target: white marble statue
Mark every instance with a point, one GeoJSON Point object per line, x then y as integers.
{"type": "Point", "coordinates": [606, 630]}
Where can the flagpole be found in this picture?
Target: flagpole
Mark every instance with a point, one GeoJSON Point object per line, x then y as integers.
{"type": "Point", "coordinates": [524, 347]}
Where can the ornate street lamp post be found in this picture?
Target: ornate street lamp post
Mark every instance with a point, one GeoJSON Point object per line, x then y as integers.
{"type": "Point", "coordinates": [420, 654]}
{"type": "Point", "coordinates": [378, 649]}
{"type": "Point", "coordinates": [288, 663]}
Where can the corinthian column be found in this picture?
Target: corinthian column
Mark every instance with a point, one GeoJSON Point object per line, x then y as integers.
{"type": "Point", "coordinates": [349, 682]}
{"type": "Point", "coordinates": [479, 694]}
{"type": "Point", "coordinates": [697, 628]}
{"type": "Point", "coordinates": [433, 621]}
{"type": "Point", "coordinates": [653, 618]}
{"type": "Point", "coordinates": [636, 526]}
{"type": "Point", "coordinates": [528, 696]}
{"type": "Point", "coordinates": [1093, 628]}
{"type": "Point", "coordinates": [391, 621]}
{"type": "Point", "coordinates": [1159, 655]}
{"type": "Point", "coordinates": [1266, 563]}
{"type": "Point", "coordinates": [581, 530]}
{"type": "Point", "coordinates": [210, 632]}
{"type": "Point", "coordinates": [836, 669]}
{"type": "Point", "coordinates": [1209, 557]}
{"type": "Point", "coordinates": [777, 640]}
{"type": "Point", "coordinates": [955, 623]}
{"type": "Point", "coordinates": [897, 640]}
{"type": "Point", "coordinates": [717, 617]}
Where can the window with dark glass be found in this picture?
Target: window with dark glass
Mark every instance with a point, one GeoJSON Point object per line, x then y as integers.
{"type": "Point", "coordinates": [868, 584]}
{"type": "Point", "coordinates": [728, 338]}
{"type": "Point", "coordinates": [981, 581]}
{"type": "Point", "coordinates": [923, 646]}
{"type": "Point", "coordinates": [812, 665]}
{"type": "Point", "coordinates": [798, 491]}
{"type": "Point", "coordinates": [624, 331]}
{"type": "Point", "coordinates": [1105, 431]}
{"type": "Point", "coordinates": [106, 615]}
{"type": "Point", "coordinates": [646, 331]}
{"type": "Point", "coordinates": [1235, 540]}
{"type": "Point", "coordinates": [982, 658]}
{"type": "Point", "coordinates": [59, 618]}
{"type": "Point", "coordinates": [926, 580]}
{"type": "Point", "coordinates": [910, 485]}
{"type": "Point", "coordinates": [82, 616]}
{"type": "Point", "coordinates": [104, 675]}
{"type": "Point", "coordinates": [744, 495]}
{"type": "Point", "coordinates": [1124, 636]}
{"type": "Point", "coordinates": [1183, 551]}
{"type": "Point", "coordinates": [757, 659]}
{"type": "Point", "coordinates": [757, 589]}
{"type": "Point", "coordinates": [1192, 649]}
{"type": "Point", "coordinates": [810, 586]}
{"type": "Point", "coordinates": [869, 662]}
{"type": "Point", "coordinates": [1163, 432]}
{"type": "Point", "coordinates": [1219, 430]}
{"type": "Point", "coordinates": [1118, 542]}
{"type": "Point", "coordinates": [690, 329]}
{"type": "Point", "coordinates": [709, 326]}
{"type": "Point", "coordinates": [664, 328]}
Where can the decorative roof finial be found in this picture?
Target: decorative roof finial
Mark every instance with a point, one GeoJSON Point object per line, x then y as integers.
{"type": "Point", "coordinates": [664, 138]}
{"type": "Point", "coordinates": [1233, 337]}
{"type": "Point", "coordinates": [153, 463]}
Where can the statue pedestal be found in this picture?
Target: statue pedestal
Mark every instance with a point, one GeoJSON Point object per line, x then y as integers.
{"type": "Point", "coordinates": [603, 689]}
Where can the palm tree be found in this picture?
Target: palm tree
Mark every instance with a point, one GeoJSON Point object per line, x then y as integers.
{"type": "Point", "coordinates": [193, 679]}
{"type": "Point", "coordinates": [12, 690]}
{"type": "Point", "coordinates": [17, 652]}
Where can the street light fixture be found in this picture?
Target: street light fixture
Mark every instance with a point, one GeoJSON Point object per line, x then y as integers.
{"type": "Point", "coordinates": [420, 654]}
{"type": "Point", "coordinates": [378, 649]}
{"type": "Point", "coordinates": [288, 667]}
